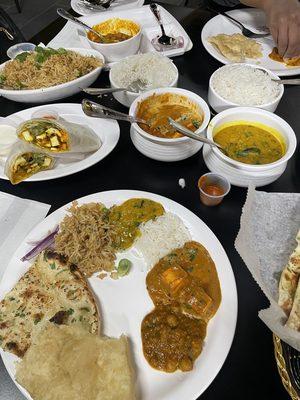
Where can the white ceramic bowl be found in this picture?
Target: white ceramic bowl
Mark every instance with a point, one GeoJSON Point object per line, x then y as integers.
{"type": "Point", "coordinates": [162, 149]}
{"type": "Point", "coordinates": [126, 97]}
{"type": "Point", "coordinates": [241, 174]}
{"type": "Point", "coordinates": [219, 104]}
{"type": "Point", "coordinates": [57, 92]}
{"type": "Point", "coordinates": [117, 51]}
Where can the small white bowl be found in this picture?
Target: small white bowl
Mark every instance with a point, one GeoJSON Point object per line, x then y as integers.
{"type": "Point", "coordinates": [57, 92]}
{"type": "Point", "coordinates": [241, 174]}
{"type": "Point", "coordinates": [126, 97]}
{"type": "Point", "coordinates": [163, 149]}
{"type": "Point", "coordinates": [117, 51]}
{"type": "Point", "coordinates": [218, 103]}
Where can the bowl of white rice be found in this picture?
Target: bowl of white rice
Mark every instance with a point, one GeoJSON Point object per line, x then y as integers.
{"type": "Point", "coordinates": [246, 85]}
{"type": "Point", "coordinates": [150, 70]}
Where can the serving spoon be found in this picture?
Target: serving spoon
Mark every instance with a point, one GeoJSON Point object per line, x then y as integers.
{"type": "Point", "coordinates": [93, 109]}
{"type": "Point", "coordinates": [186, 132]}
{"type": "Point", "coordinates": [287, 81]}
{"type": "Point", "coordinates": [136, 87]}
{"type": "Point", "coordinates": [69, 17]}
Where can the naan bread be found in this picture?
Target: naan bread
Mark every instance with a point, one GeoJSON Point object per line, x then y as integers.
{"type": "Point", "coordinates": [51, 290]}
{"type": "Point", "coordinates": [68, 363]}
{"type": "Point", "coordinates": [289, 280]}
{"type": "Point", "coordinates": [236, 47]}
{"type": "Point", "coordinates": [294, 319]}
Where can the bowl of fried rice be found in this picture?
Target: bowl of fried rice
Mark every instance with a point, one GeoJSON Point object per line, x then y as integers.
{"type": "Point", "coordinates": [47, 74]}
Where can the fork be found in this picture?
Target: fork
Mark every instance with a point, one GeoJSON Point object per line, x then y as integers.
{"type": "Point", "coordinates": [245, 31]}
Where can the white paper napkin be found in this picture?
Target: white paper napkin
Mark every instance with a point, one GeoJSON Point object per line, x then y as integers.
{"type": "Point", "coordinates": [17, 218]}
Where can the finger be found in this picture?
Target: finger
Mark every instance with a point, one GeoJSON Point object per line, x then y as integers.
{"type": "Point", "coordinates": [282, 39]}
{"type": "Point", "coordinates": [293, 49]}
{"type": "Point", "coordinates": [274, 33]}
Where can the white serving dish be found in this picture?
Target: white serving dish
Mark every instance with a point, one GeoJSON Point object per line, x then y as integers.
{"type": "Point", "coordinates": [218, 103]}
{"type": "Point", "coordinates": [126, 97]}
{"type": "Point", "coordinates": [240, 174]}
{"type": "Point", "coordinates": [117, 51]}
{"type": "Point", "coordinates": [57, 92]}
{"type": "Point", "coordinates": [81, 9]}
{"type": "Point", "coordinates": [72, 36]}
{"type": "Point", "coordinates": [162, 149]}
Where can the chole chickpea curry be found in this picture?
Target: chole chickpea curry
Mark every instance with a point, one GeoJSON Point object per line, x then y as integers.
{"type": "Point", "coordinates": [250, 143]}
{"type": "Point", "coordinates": [156, 110]}
{"type": "Point", "coordinates": [185, 289]}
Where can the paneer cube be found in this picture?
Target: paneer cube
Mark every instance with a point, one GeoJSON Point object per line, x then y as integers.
{"type": "Point", "coordinates": [27, 136]}
{"type": "Point", "coordinates": [54, 141]}
{"type": "Point", "coordinates": [47, 162]}
{"type": "Point", "coordinates": [175, 278]}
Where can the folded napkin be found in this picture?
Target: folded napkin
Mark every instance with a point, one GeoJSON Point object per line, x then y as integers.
{"type": "Point", "coordinates": [17, 218]}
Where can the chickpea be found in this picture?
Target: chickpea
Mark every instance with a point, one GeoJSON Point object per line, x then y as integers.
{"type": "Point", "coordinates": [171, 365]}
{"type": "Point", "coordinates": [172, 321]}
{"type": "Point", "coordinates": [186, 364]}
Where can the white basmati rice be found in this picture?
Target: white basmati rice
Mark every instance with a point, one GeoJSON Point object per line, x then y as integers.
{"type": "Point", "coordinates": [244, 85]}
{"type": "Point", "coordinates": [160, 236]}
{"type": "Point", "coordinates": [153, 70]}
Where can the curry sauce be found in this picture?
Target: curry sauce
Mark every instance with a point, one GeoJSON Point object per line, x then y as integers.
{"type": "Point", "coordinates": [250, 143]}
{"type": "Point", "coordinates": [185, 288]}
{"type": "Point", "coordinates": [156, 110]}
{"type": "Point", "coordinates": [128, 216]}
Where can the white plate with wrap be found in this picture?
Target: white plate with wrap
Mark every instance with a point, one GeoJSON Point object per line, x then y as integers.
{"type": "Point", "coordinates": [252, 19]}
{"type": "Point", "coordinates": [125, 302]}
{"type": "Point", "coordinates": [107, 130]}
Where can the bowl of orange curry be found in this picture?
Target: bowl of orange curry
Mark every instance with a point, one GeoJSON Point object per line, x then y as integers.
{"type": "Point", "coordinates": [156, 138]}
{"type": "Point", "coordinates": [121, 38]}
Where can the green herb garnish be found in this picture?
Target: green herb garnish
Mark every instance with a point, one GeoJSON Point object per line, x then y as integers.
{"type": "Point", "coordinates": [246, 152]}
{"type": "Point", "coordinates": [196, 123]}
{"type": "Point", "coordinates": [22, 56]}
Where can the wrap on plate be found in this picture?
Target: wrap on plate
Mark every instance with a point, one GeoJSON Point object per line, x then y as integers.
{"type": "Point", "coordinates": [23, 161]}
{"type": "Point", "coordinates": [58, 138]}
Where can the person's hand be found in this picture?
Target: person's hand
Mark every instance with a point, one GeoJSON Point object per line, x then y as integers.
{"type": "Point", "coordinates": [283, 20]}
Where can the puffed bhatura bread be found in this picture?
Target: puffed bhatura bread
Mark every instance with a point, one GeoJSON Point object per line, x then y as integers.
{"type": "Point", "coordinates": [51, 290]}
{"type": "Point", "coordinates": [68, 363]}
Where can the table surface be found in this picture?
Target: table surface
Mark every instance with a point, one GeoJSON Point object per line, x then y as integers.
{"type": "Point", "coordinates": [250, 370]}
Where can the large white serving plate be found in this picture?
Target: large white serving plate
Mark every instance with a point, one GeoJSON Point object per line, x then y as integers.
{"type": "Point", "coordinates": [73, 36]}
{"type": "Point", "coordinates": [107, 129]}
{"type": "Point", "coordinates": [252, 18]}
{"type": "Point", "coordinates": [80, 8]}
{"type": "Point", "coordinates": [44, 95]}
{"type": "Point", "coordinates": [125, 302]}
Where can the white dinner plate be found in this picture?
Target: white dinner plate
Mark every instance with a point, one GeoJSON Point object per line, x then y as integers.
{"type": "Point", "coordinates": [107, 129]}
{"type": "Point", "coordinates": [81, 9]}
{"type": "Point", "coordinates": [252, 18]}
{"type": "Point", "coordinates": [125, 302]}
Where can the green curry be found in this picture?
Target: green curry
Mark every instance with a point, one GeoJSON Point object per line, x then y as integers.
{"type": "Point", "coordinates": [250, 143]}
{"type": "Point", "coordinates": [127, 217]}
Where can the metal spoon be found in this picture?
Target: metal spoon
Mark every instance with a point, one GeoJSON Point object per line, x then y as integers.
{"type": "Point", "coordinates": [97, 110]}
{"type": "Point", "coordinates": [163, 39]}
{"type": "Point", "coordinates": [192, 135]}
{"type": "Point", "coordinates": [245, 31]}
{"type": "Point", "coordinates": [287, 81]}
{"type": "Point", "coordinates": [7, 33]}
{"type": "Point", "coordinates": [136, 87]}
{"type": "Point", "coordinates": [66, 15]}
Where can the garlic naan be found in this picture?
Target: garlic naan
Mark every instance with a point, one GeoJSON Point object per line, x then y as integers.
{"type": "Point", "coordinates": [289, 280]}
{"type": "Point", "coordinates": [51, 290]}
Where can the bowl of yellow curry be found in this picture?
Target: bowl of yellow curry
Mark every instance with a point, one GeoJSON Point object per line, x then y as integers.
{"type": "Point", "coordinates": [156, 138]}
{"type": "Point", "coordinates": [121, 38]}
{"type": "Point", "coordinates": [256, 146]}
